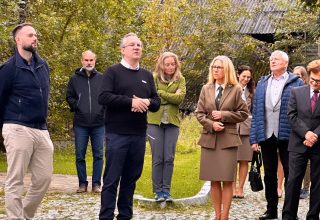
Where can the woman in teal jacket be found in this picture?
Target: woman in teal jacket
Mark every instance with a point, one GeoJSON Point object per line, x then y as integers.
{"type": "Point", "coordinates": [163, 125]}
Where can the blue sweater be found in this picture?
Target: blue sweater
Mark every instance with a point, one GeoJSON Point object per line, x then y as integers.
{"type": "Point", "coordinates": [24, 92]}
{"type": "Point", "coordinates": [257, 131]}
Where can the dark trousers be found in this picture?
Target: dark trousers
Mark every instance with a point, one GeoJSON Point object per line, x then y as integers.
{"type": "Point", "coordinates": [269, 149]}
{"type": "Point", "coordinates": [297, 167]}
{"type": "Point", "coordinates": [124, 163]}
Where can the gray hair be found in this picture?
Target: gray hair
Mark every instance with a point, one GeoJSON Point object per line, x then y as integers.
{"type": "Point", "coordinates": [284, 55]}
{"type": "Point", "coordinates": [88, 51]}
{"type": "Point", "coordinates": [123, 40]}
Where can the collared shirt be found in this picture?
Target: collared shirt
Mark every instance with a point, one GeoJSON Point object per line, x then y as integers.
{"type": "Point", "coordinates": [276, 86]}
{"type": "Point", "coordinates": [30, 65]}
{"type": "Point", "coordinates": [311, 93]}
{"type": "Point", "coordinates": [217, 90]}
{"type": "Point", "coordinates": [243, 94]}
{"type": "Point", "coordinates": [127, 65]}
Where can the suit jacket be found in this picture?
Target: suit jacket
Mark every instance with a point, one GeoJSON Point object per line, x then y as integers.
{"type": "Point", "coordinates": [233, 110]}
{"type": "Point", "coordinates": [302, 119]}
{"type": "Point", "coordinates": [244, 127]}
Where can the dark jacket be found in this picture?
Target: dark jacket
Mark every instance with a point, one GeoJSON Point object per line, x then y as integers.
{"type": "Point", "coordinates": [24, 92]}
{"type": "Point", "coordinates": [302, 120]}
{"type": "Point", "coordinates": [257, 131]}
{"type": "Point", "coordinates": [82, 97]}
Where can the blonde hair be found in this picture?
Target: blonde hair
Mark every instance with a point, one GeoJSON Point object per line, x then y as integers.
{"type": "Point", "coordinates": [230, 77]}
{"type": "Point", "coordinates": [303, 72]}
{"type": "Point", "coordinates": [159, 70]}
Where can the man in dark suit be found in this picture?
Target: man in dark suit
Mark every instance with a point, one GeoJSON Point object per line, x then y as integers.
{"type": "Point", "coordinates": [304, 117]}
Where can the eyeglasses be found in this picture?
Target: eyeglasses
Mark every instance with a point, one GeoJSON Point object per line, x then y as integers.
{"type": "Point", "coordinates": [132, 45]}
{"type": "Point", "coordinates": [316, 81]}
{"type": "Point", "coordinates": [217, 67]}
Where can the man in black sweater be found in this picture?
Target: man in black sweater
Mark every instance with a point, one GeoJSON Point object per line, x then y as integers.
{"type": "Point", "coordinates": [128, 92]}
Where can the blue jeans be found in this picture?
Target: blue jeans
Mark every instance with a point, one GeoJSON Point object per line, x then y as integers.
{"type": "Point", "coordinates": [82, 135]}
{"type": "Point", "coordinates": [124, 163]}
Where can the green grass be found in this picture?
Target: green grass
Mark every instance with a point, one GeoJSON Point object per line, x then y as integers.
{"type": "Point", "coordinates": [63, 161]}
{"type": "Point", "coordinates": [3, 163]}
{"type": "Point", "coordinates": [185, 181]}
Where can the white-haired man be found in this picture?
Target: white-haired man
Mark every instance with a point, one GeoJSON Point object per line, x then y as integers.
{"type": "Point", "coordinates": [270, 128]}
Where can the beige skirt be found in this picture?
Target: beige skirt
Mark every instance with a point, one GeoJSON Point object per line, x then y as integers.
{"type": "Point", "coordinates": [244, 151]}
{"type": "Point", "coordinates": [218, 164]}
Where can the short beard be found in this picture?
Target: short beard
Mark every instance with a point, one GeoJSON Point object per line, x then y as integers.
{"type": "Point", "coordinates": [29, 48]}
{"type": "Point", "coordinates": [90, 69]}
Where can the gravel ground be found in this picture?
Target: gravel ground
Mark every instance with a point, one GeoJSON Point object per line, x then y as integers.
{"type": "Point", "coordinates": [86, 206]}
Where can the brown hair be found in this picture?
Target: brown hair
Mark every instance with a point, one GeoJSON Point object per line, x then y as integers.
{"type": "Point", "coordinates": [250, 84]}
{"type": "Point", "coordinates": [17, 28]}
{"type": "Point", "coordinates": [314, 66]}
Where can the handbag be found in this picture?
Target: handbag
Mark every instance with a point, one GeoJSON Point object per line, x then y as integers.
{"type": "Point", "coordinates": [255, 174]}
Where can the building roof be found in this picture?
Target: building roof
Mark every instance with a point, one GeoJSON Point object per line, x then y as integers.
{"type": "Point", "coordinates": [262, 15]}
{"type": "Point", "coordinates": [258, 23]}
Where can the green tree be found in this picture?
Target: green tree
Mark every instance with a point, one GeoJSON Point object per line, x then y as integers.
{"type": "Point", "coordinates": [69, 27]}
{"type": "Point", "coordinates": [296, 31]}
{"type": "Point", "coordinates": [65, 29]}
{"type": "Point", "coordinates": [9, 14]}
{"type": "Point", "coordinates": [311, 3]}
{"type": "Point", "coordinates": [161, 28]}
{"type": "Point", "coordinates": [8, 18]}
{"type": "Point", "coordinates": [197, 31]}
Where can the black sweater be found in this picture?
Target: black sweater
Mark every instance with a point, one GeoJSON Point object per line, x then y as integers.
{"type": "Point", "coordinates": [118, 87]}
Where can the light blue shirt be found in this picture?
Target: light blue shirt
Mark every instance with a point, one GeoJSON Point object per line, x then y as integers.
{"type": "Point", "coordinates": [276, 85]}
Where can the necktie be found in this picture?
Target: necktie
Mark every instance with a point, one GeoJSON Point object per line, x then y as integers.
{"type": "Point", "coordinates": [314, 99]}
{"type": "Point", "coordinates": [218, 98]}
{"type": "Point", "coordinates": [243, 95]}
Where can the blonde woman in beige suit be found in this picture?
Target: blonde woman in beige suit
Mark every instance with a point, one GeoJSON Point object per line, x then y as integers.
{"type": "Point", "coordinates": [220, 108]}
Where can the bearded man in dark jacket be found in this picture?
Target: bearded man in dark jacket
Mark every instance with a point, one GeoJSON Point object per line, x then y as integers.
{"type": "Point", "coordinates": [82, 97]}
{"type": "Point", "coordinates": [24, 98]}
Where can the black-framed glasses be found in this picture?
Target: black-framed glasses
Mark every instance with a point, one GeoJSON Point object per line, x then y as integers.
{"type": "Point", "coordinates": [317, 81]}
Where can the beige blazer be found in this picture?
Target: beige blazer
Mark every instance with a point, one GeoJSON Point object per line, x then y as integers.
{"type": "Point", "coordinates": [233, 110]}
{"type": "Point", "coordinates": [244, 127]}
